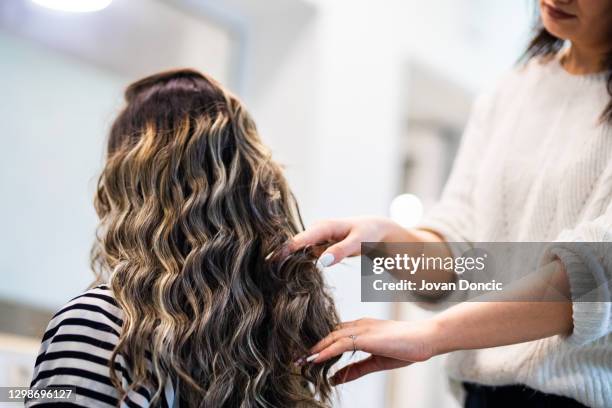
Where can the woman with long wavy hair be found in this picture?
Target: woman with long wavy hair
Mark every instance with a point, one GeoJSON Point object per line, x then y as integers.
{"type": "Point", "coordinates": [193, 305]}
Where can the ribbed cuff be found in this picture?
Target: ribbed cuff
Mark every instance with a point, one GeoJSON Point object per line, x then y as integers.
{"type": "Point", "coordinates": [591, 302]}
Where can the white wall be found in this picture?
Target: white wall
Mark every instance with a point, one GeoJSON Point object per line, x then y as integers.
{"type": "Point", "coordinates": [54, 114]}
{"type": "Point", "coordinates": [470, 41]}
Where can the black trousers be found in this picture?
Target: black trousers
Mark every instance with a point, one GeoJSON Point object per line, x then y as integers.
{"type": "Point", "coordinates": [514, 396]}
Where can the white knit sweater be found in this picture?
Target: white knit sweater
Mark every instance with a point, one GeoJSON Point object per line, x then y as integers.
{"type": "Point", "coordinates": [536, 165]}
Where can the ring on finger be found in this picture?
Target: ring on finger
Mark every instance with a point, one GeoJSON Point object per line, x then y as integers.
{"type": "Point", "coordinates": [353, 337]}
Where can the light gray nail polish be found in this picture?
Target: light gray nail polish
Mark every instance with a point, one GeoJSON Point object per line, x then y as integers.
{"type": "Point", "coordinates": [326, 259]}
{"type": "Point", "coordinates": [312, 358]}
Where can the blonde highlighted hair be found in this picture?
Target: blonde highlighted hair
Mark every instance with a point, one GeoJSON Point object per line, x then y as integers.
{"type": "Point", "coordinates": [193, 212]}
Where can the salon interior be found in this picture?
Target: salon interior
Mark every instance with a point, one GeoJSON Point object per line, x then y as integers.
{"type": "Point", "coordinates": [329, 83]}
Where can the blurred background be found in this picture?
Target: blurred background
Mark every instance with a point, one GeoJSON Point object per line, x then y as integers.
{"type": "Point", "coordinates": [364, 103]}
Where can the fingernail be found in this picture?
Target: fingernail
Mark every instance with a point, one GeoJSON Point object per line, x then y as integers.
{"type": "Point", "coordinates": [299, 362]}
{"type": "Point", "coordinates": [312, 358]}
{"type": "Point", "coordinates": [326, 259]}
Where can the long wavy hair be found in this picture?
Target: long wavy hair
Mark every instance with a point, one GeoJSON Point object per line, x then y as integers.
{"type": "Point", "coordinates": [193, 214]}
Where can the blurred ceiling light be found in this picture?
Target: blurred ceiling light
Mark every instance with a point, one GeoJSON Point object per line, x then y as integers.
{"type": "Point", "coordinates": [406, 210]}
{"type": "Point", "coordinates": [74, 6]}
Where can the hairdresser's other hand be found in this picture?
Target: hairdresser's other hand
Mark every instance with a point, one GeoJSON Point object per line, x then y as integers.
{"type": "Point", "coordinates": [392, 344]}
{"type": "Point", "coordinates": [347, 234]}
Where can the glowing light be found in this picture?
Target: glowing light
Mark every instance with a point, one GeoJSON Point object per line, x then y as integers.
{"type": "Point", "coordinates": [74, 6]}
{"type": "Point", "coordinates": [406, 210]}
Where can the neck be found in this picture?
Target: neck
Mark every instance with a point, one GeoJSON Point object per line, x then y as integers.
{"type": "Point", "coordinates": [580, 60]}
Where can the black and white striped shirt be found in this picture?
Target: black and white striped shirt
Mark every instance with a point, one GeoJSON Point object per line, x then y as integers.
{"type": "Point", "coordinates": [76, 349]}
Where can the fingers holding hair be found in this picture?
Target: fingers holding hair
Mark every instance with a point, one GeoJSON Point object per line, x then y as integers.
{"type": "Point", "coordinates": [344, 329]}
{"type": "Point", "coordinates": [339, 341]}
{"type": "Point", "coordinates": [322, 232]}
{"type": "Point", "coordinates": [349, 246]}
{"type": "Point", "coordinates": [318, 233]}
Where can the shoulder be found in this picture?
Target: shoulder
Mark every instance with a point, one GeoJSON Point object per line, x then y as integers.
{"type": "Point", "coordinates": [77, 346]}
{"type": "Point", "coordinates": [524, 76]}
{"type": "Point", "coordinates": [94, 309]}
{"type": "Point", "coordinates": [511, 88]}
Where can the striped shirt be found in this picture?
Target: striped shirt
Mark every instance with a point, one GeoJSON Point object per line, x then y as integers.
{"type": "Point", "coordinates": [76, 349]}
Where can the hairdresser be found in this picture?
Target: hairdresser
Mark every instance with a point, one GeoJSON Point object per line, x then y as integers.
{"type": "Point", "coordinates": [534, 165]}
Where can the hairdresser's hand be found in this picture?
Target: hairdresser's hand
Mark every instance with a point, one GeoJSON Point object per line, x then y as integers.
{"type": "Point", "coordinates": [347, 234]}
{"type": "Point", "coordinates": [392, 344]}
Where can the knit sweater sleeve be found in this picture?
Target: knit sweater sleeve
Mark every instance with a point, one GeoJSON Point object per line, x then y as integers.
{"type": "Point", "coordinates": [585, 253]}
{"type": "Point", "coordinates": [453, 215]}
